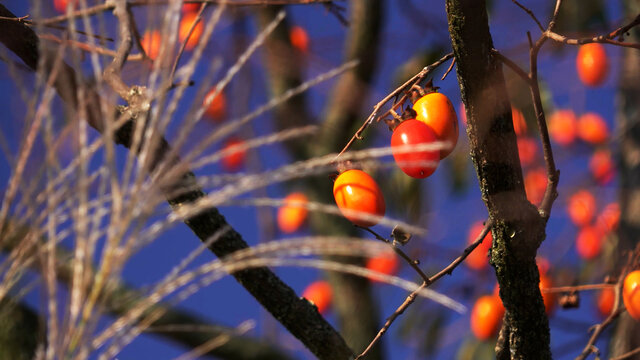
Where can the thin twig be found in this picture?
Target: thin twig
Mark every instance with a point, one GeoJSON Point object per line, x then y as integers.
{"type": "Point", "coordinates": [401, 253]}
{"type": "Point", "coordinates": [615, 312]}
{"type": "Point", "coordinates": [465, 253]}
{"type": "Point", "coordinates": [183, 46]}
{"type": "Point", "coordinates": [412, 297]}
{"type": "Point", "coordinates": [553, 174]}
{"type": "Point", "coordinates": [558, 289]}
{"type": "Point", "coordinates": [444, 76]}
{"type": "Point", "coordinates": [109, 6]}
{"type": "Point", "coordinates": [88, 47]}
{"type": "Point", "coordinates": [606, 38]}
{"type": "Point", "coordinates": [528, 11]}
{"type": "Point", "coordinates": [513, 66]}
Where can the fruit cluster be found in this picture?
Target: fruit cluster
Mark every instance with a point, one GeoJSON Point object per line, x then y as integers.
{"type": "Point", "coordinates": [581, 209]}
{"type": "Point", "coordinates": [152, 39]}
{"type": "Point", "coordinates": [415, 149]}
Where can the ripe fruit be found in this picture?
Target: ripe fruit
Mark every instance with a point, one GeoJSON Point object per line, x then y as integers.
{"type": "Point", "coordinates": [217, 109]}
{"type": "Point", "coordinates": [61, 5]}
{"type": "Point", "coordinates": [592, 128]}
{"type": "Point", "coordinates": [151, 42]}
{"type": "Point", "coordinates": [519, 124]}
{"type": "Point", "coordinates": [478, 259]}
{"type": "Point", "coordinates": [417, 164]}
{"type": "Point", "coordinates": [527, 150]}
{"type": "Point", "coordinates": [549, 299]}
{"type": "Point", "coordinates": [581, 207]}
{"type": "Point", "coordinates": [234, 155]}
{"type": "Point", "coordinates": [463, 113]}
{"type": "Point", "coordinates": [186, 23]}
{"type": "Point", "coordinates": [319, 293]}
{"type": "Point", "coordinates": [535, 183]}
{"type": "Point", "coordinates": [299, 39]}
{"type": "Point", "coordinates": [193, 7]}
{"type": "Point", "coordinates": [386, 263]}
{"type": "Point", "coordinates": [563, 127]}
{"type": "Point", "coordinates": [293, 213]}
{"type": "Point", "coordinates": [589, 242]}
{"type": "Point", "coordinates": [356, 191]}
{"type": "Point", "coordinates": [592, 64]}
{"type": "Point", "coordinates": [486, 316]}
{"type": "Point", "coordinates": [543, 265]}
{"type": "Point", "coordinates": [605, 300]}
{"type": "Point", "coordinates": [435, 110]}
{"type": "Point", "coordinates": [609, 218]}
{"type": "Point", "coordinates": [601, 166]}
{"type": "Point", "coordinates": [631, 294]}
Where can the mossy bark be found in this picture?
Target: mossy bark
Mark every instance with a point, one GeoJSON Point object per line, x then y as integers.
{"type": "Point", "coordinates": [518, 228]}
{"type": "Point", "coordinates": [21, 331]}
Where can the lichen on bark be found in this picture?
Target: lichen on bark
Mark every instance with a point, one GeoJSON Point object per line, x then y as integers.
{"type": "Point", "coordinates": [518, 229]}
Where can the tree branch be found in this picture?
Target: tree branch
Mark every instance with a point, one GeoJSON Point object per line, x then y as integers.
{"type": "Point", "coordinates": [120, 298]}
{"type": "Point", "coordinates": [296, 314]}
{"type": "Point", "coordinates": [517, 228]}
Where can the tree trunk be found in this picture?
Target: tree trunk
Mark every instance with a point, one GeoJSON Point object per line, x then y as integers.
{"type": "Point", "coordinates": [517, 229]}
{"type": "Point", "coordinates": [627, 333]}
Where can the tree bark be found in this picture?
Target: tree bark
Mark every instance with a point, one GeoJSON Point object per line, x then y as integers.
{"type": "Point", "coordinates": [517, 229]}
{"type": "Point", "coordinates": [626, 336]}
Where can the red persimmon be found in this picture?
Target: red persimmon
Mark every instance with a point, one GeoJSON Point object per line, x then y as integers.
{"type": "Point", "coordinates": [418, 164]}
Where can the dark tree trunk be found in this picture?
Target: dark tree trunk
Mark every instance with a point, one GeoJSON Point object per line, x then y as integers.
{"type": "Point", "coordinates": [518, 228]}
{"type": "Point", "coordinates": [627, 333]}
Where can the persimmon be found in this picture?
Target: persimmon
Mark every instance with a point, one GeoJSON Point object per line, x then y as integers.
{"type": "Point", "coordinates": [631, 294]}
{"type": "Point", "coordinates": [543, 265]}
{"type": "Point", "coordinates": [581, 207]}
{"type": "Point", "coordinates": [589, 242]}
{"type": "Point", "coordinates": [151, 42]}
{"type": "Point", "coordinates": [435, 110]}
{"type": "Point", "coordinates": [601, 166]}
{"type": "Point", "coordinates": [356, 191]}
{"type": "Point", "coordinates": [605, 301]}
{"type": "Point", "coordinates": [299, 39]}
{"type": "Point", "coordinates": [592, 64]}
{"type": "Point", "coordinates": [463, 113]}
{"type": "Point", "coordinates": [549, 298]}
{"type": "Point", "coordinates": [217, 108]}
{"type": "Point", "coordinates": [563, 127]}
{"type": "Point", "coordinates": [535, 183]}
{"type": "Point", "coordinates": [320, 294]}
{"type": "Point", "coordinates": [234, 154]}
{"type": "Point", "coordinates": [609, 218]}
{"type": "Point", "coordinates": [478, 259]}
{"type": "Point", "coordinates": [527, 150]}
{"type": "Point", "coordinates": [486, 317]}
{"type": "Point", "coordinates": [519, 123]}
{"type": "Point", "coordinates": [191, 7]}
{"type": "Point", "coordinates": [187, 21]}
{"type": "Point", "coordinates": [386, 263]}
{"type": "Point", "coordinates": [61, 5]}
{"type": "Point", "coordinates": [593, 129]}
{"type": "Point", "coordinates": [292, 214]}
{"type": "Point", "coordinates": [417, 164]}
